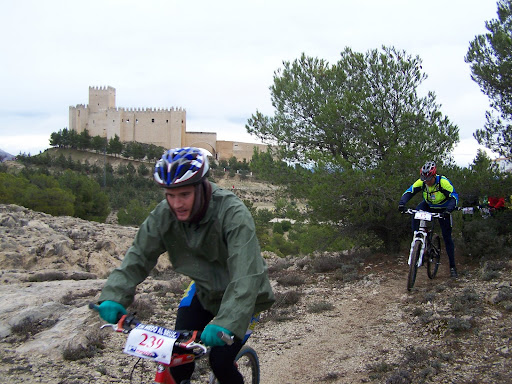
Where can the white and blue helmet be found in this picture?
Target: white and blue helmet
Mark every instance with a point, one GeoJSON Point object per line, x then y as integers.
{"type": "Point", "coordinates": [181, 166]}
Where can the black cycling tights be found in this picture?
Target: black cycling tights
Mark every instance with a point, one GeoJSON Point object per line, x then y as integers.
{"type": "Point", "coordinates": [195, 317]}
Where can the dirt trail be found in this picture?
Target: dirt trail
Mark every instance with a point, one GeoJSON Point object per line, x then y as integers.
{"type": "Point", "coordinates": [370, 333]}
{"type": "Point", "coordinates": [336, 345]}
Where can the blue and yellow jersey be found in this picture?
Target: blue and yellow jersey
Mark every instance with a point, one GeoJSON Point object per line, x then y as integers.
{"type": "Point", "coordinates": [441, 195]}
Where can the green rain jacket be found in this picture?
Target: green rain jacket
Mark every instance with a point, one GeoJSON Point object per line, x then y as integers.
{"type": "Point", "coordinates": [221, 254]}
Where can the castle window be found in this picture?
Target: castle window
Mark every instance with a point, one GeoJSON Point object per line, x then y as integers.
{"type": "Point", "coordinates": [152, 120]}
{"type": "Point", "coordinates": [127, 120]}
{"type": "Point", "coordinates": [136, 121]}
{"type": "Point", "coordinates": [167, 121]}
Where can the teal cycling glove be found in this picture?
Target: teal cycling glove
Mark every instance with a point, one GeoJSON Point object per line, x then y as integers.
{"type": "Point", "coordinates": [210, 338]}
{"type": "Point", "coordinates": [110, 311]}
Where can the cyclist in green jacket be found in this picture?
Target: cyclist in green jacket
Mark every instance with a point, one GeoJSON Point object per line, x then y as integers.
{"type": "Point", "coordinates": [209, 235]}
{"type": "Point", "coordinates": [439, 195]}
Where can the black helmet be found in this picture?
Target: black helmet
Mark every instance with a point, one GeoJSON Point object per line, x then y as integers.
{"type": "Point", "coordinates": [428, 171]}
{"type": "Point", "coordinates": [181, 166]}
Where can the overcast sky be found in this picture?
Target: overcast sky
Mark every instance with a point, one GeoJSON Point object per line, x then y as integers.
{"type": "Point", "coordinates": [216, 59]}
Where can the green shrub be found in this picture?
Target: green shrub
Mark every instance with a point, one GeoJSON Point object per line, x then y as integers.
{"type": "Point", "coordinates": [325, 263]}
{"type": "Point", "coordinates": [291, 279]}
{"type": "Point", "coordinates": [30, 326]}
{"type": "Point", "coordinates": [95, 343]}
{"type": "Point", "coordinates": [286, 225]}
{"type": "Point", "coordinates": [457, 324]}
{"type": "Point", "coordinates": [287, 299]}
{"type": "Point", "coordinates": [134, 213]}
{"type": "Point", "coordinates": [91, 203]}
{"type": "Point", "coordinates": [311, 238]}
{"type": "Point", "coordinates": [320, 306]}
{"type": "Point", "coordinates": [47, 276]}
{"type": "Point", "coordinates": [143, 308]}
{"type": "Point", "coordinates": [488, 238]}
{"type": "Point", "coordinates": [282, 247]}
{"type": "Point", "coordinates": [278, 228]}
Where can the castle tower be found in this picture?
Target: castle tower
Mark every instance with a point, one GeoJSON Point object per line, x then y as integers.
{"type": "Point", "coordinates": [101, 98]}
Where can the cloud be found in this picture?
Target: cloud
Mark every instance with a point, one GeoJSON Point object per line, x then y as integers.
{"type": "Point", "coordinates": [465, 152]}
{"type": "Point", "coordinates": [215, 59]}
{"type": "Point", "coordinates": [32, 144]}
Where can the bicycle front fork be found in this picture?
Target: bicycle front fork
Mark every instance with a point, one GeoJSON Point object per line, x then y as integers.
{"type": "Point", "coordinates": [421, 236]}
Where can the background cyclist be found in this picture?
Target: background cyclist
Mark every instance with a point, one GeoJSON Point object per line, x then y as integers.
{"type": "Point", "coordinates": [439, 195]}
{"type": "Point", "coordinates": [209, 235]}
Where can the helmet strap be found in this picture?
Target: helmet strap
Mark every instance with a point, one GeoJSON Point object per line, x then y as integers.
{"type": "Point", "coordinates": [203, 193]}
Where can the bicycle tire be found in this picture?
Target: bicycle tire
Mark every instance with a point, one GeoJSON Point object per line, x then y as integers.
{"type": "Point", "coordinates": [434, 256]}
{"type": "Point", "coordinates": [413, 267]}
{"type": "Point", "coordinates": [248, 364]}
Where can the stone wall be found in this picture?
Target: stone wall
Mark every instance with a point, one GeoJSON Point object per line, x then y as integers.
{"type": "Point", "coordinates": [228, 149]}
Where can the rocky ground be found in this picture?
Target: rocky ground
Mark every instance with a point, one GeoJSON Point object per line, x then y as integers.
{"type": "Point", "coordinates": [339, 318]}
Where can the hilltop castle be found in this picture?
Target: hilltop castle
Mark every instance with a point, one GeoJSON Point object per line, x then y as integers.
{"type": "Point", "coordinates": [161, 127]}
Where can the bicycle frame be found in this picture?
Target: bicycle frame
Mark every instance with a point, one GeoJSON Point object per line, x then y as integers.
{"type": "Point", "coordinates": [422, 235]}
{"type": "Point", "coordinates": [422, 244]}
{"type": "Point", "coordinates": [163, 374]}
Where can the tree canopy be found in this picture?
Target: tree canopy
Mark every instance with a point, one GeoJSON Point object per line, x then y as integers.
{"type": "Point", "coordinates": [71, 139]}
{"type": "Point", "coordinates": [490, 58]}
{"type": "Point", "coordinates": [363, 110]}
{"type": "Point", "coordinates": [362, 128]}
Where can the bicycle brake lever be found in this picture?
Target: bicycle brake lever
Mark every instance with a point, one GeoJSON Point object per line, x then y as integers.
{"type": "Point", "coordinates": [225, 337]}
{"type": "Point", "coordinates": [113, 326]}
{"type": "Point", "coordinates": [120, 326]}
{"type": "Point", "coordinates": [193, 345]}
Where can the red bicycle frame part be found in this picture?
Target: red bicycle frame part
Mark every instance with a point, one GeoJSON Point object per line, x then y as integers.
{"type": "Point", "coordinates": [163, 375]}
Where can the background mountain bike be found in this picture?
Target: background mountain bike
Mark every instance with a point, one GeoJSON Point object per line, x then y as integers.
{"type": "Point", "coordinates": [157, 344]}
{"type": "Point", "coordinates": [425, 244]}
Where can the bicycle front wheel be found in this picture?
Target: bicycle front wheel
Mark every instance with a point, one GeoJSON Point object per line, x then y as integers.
{"type": "Point", "coordinates": [434, 256]}
{"type": "Point", "coordinates": [413, 267]}
{"type": "Point", "coordinates": [248, 364]}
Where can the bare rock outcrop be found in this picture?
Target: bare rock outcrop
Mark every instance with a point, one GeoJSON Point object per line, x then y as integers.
{"type": "Point", "coordinates": [34, 241]}
{"type": "Point", "coordinates": [46, 264]}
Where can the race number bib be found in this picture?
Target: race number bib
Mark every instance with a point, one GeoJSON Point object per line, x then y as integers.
{"type": "Point", "coordinates": [422, 215]}
{"type": "Point", "coordinates": [151, 342]}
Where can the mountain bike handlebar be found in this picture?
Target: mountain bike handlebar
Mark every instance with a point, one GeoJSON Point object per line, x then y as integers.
{"type": "Point", "coordinates": [411, 211]}
{"type": "Point", "coordinates": [188, 339]}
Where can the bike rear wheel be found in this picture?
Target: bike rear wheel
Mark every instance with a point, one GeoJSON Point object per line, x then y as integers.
{"type": "Point", "coordinates": [434, 256]}
{"type": "Point", "coordinates": [248, 364]}
{"type": "Point", "coordinates": [413, 267]}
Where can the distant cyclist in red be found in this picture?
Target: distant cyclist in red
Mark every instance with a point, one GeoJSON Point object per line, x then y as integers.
{"type": "Point", "coordinates": [496, 203]}
{"type": "Point", "coordinates": [438, 196]}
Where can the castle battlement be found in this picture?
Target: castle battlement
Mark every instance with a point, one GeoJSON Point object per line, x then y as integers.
{"type": "Point", "coordinates": [152, 110]}
{"type": "Point", "coordinates": [104, 88]}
